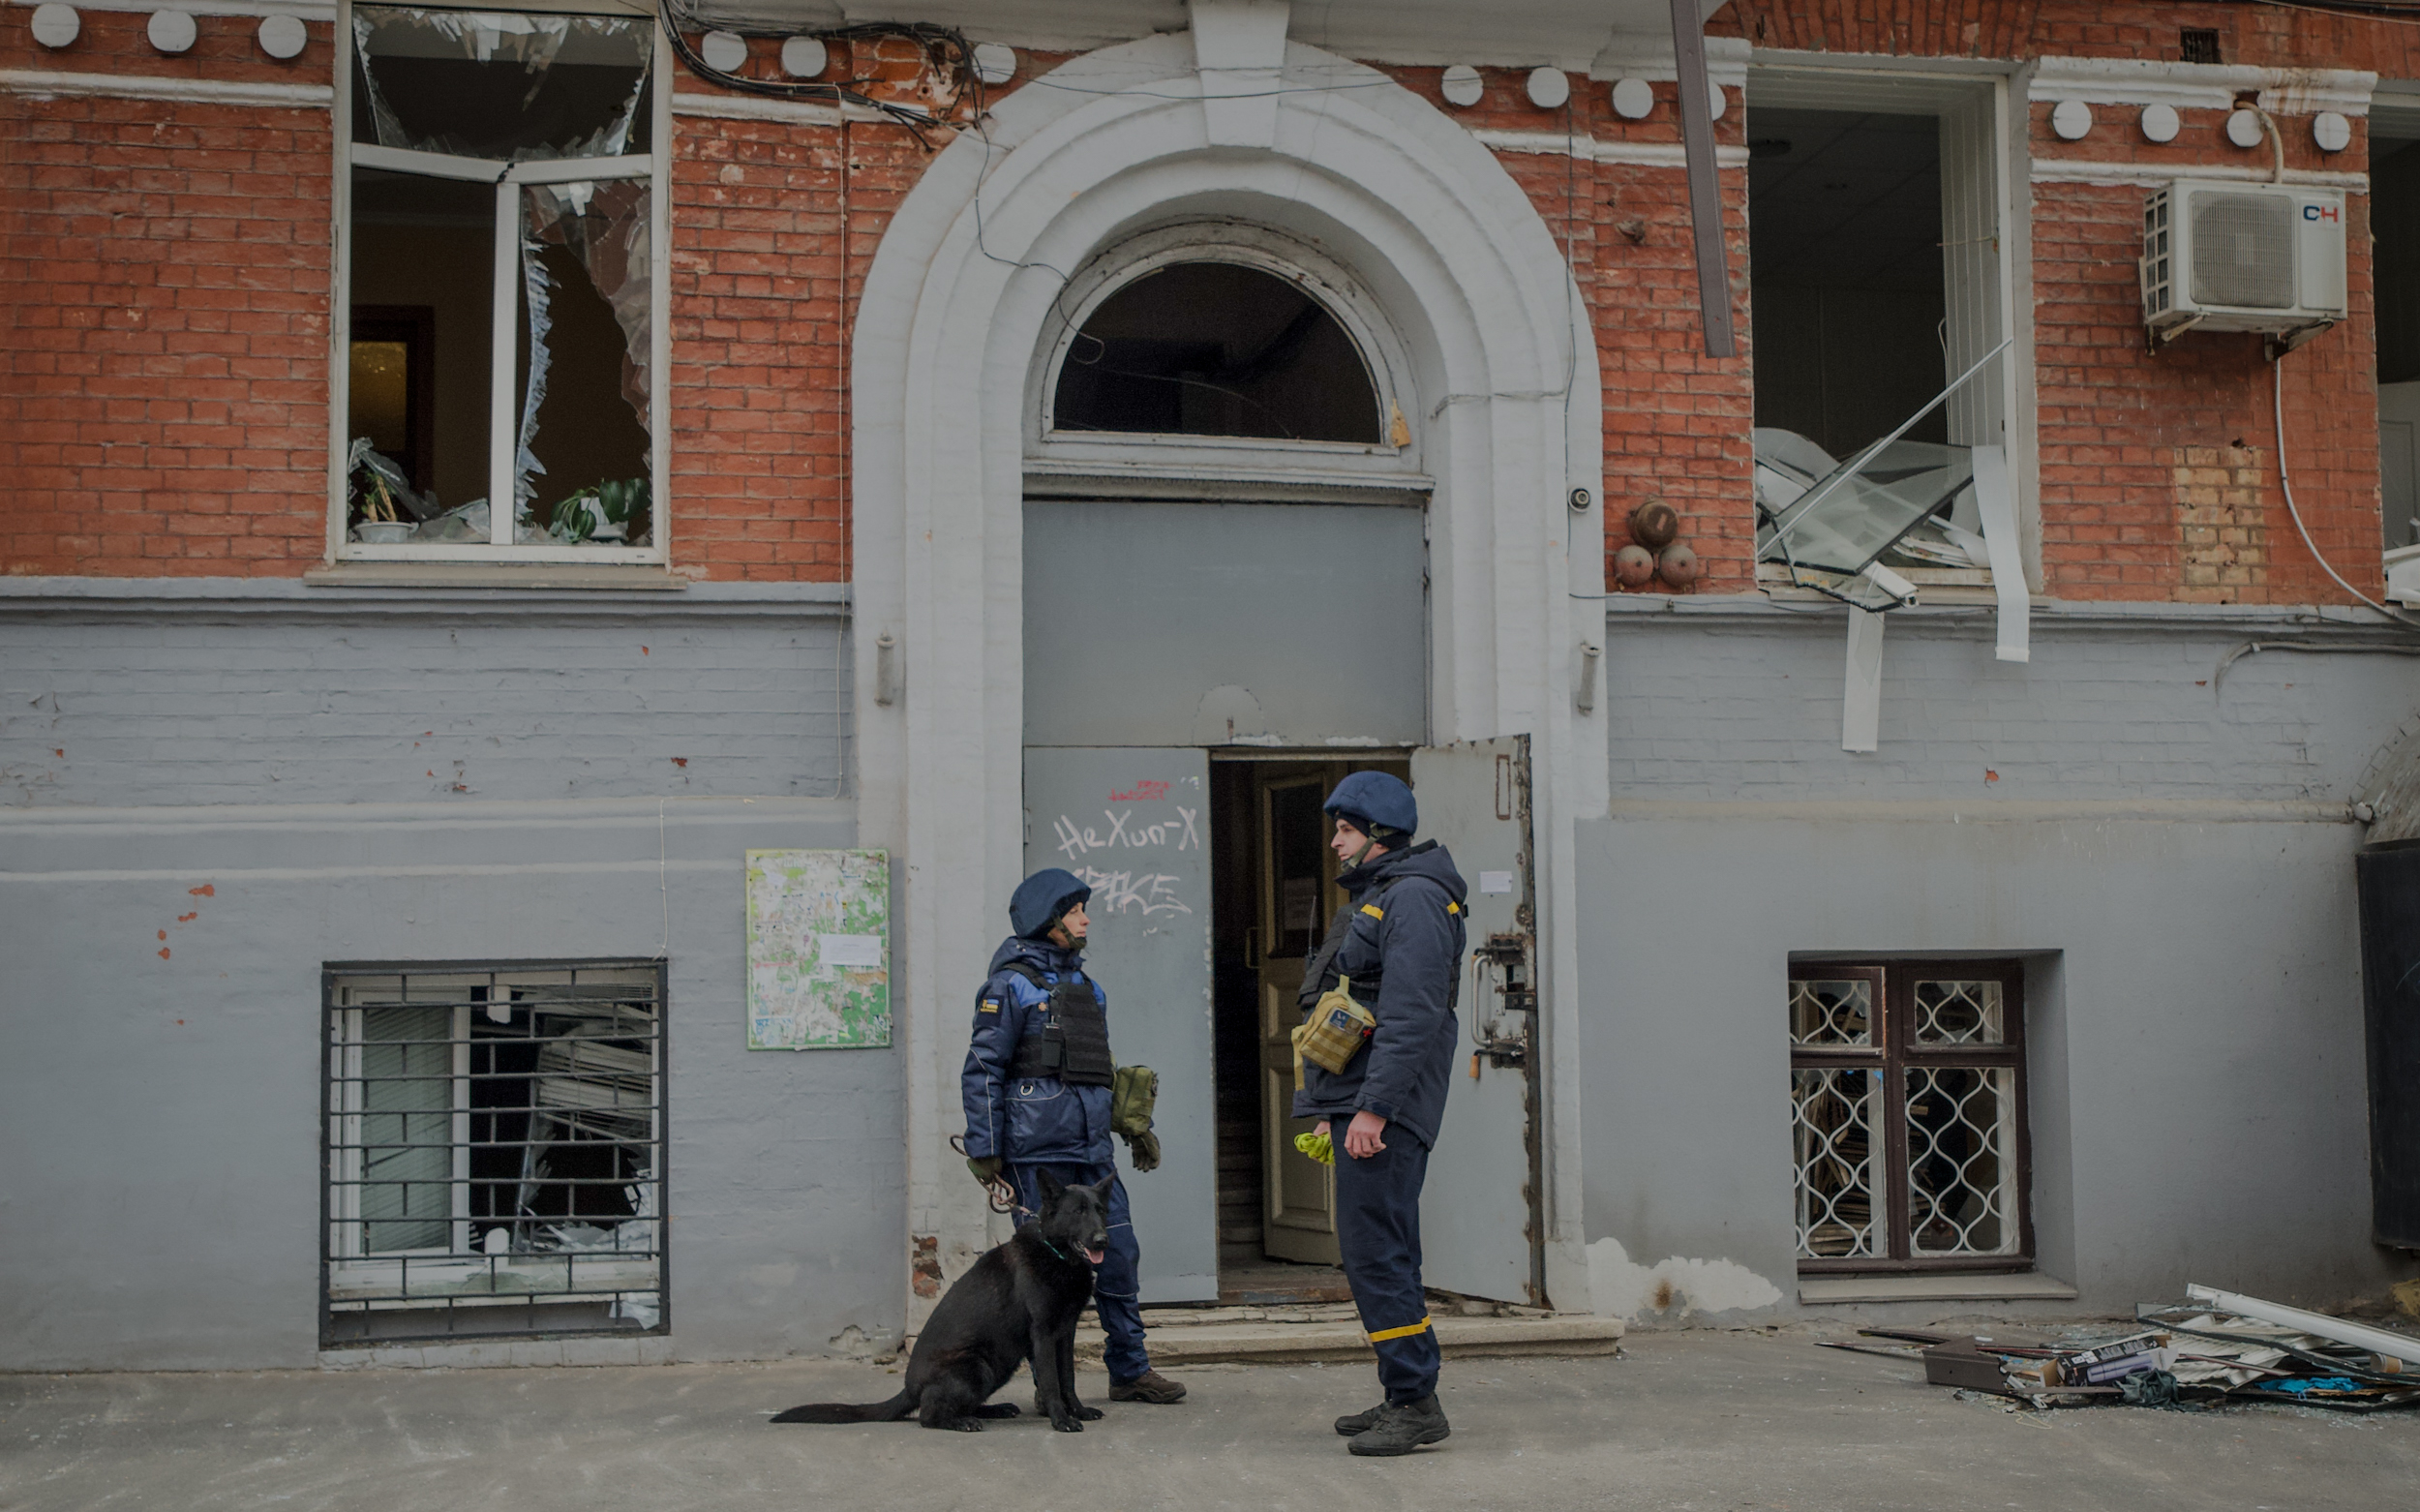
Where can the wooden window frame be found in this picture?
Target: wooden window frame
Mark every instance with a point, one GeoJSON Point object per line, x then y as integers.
{"type": "Point", "coordinates": [1892, 1054]}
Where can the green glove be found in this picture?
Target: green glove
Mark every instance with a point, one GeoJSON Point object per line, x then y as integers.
{"type": "Point", "coordinates": [1145, 1149]}
{"type": "Point", "coordinates": [987, 1168]}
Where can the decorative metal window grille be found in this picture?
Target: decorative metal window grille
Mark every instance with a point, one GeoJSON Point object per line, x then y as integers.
{"type": "Point", "coordinates": [493, 1155]}
{"type": "Point", "coordinates": [1907, 1089]}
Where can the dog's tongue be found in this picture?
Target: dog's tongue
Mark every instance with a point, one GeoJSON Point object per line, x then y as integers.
{"type": "Point", "coordinates": [1093, 1256]}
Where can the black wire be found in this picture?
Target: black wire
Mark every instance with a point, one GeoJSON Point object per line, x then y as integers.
{"type": "Point", "coordinates": [944, 46]}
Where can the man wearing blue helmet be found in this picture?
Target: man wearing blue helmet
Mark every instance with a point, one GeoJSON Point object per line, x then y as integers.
{"type": "Point", "coordinates": [1036, 1087]}
{"type": "Point", "coordinates": [1394, 949]}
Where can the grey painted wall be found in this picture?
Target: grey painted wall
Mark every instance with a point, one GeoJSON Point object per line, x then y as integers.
{"type": "Point", "coordinates": [161, 1087]}
{"type": "Point", "coordinates": [1715, 701]}
{"type": "Point", "coordinates": [2173, 863]}
{"type": "Point", "coordinates": [170, 1219]}
{"type": "Point", "coordinates": [237, 693]}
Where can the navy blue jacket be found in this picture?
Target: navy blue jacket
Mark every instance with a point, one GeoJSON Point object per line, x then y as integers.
{"type": "Point", "coordinates": [1029, 1119]}
{"type": "Point", "coordinates": [1403, 930]}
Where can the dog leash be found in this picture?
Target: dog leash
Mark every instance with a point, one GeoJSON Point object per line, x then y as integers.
{"type": "Point", "coordinates": [997, 1191]}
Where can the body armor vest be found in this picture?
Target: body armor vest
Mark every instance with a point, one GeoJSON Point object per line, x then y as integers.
{"type": "Point", "coordinates": [1073, 1042]}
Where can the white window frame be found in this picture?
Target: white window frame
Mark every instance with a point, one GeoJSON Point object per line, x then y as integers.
{"type": "Point", "coordinates": [504, 397]}
{"type": "Point", "coordinates": [1243, 461]}
{"type": "Point", "coordinates": [1983, 306]}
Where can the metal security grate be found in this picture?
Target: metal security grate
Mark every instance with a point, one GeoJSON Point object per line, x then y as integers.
{"type": "Point", "coordinates": [493, 1151]}
{"type": "Point", "coordinates": [1836, 1117]}
{"type": "Point", "coordinates": [1907, 1101]}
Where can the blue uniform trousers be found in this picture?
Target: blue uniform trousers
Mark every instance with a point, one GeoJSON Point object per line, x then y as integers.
{"type": "Point", "coordinates": [1116, 1289]}
{"type": "Point", "coordinates": [1377, 1228]}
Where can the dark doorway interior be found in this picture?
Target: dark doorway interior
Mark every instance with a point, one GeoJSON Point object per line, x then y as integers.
{"type": "Point", "coordinates": [1272, 892]}
{"type": "Point", "coordinates": [1845, 273]}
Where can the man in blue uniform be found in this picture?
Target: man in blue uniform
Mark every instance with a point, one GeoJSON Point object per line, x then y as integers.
{"type": "Point", "coordinates": [1036, 1087]}
{"type": "Point", "coordinates": [1398, 942]}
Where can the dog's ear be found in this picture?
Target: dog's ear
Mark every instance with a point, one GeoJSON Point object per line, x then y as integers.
{"type": "Point", "coordinates": [1102, 1190]}
{"type": "Point", "coordinates": [1051, 1186]}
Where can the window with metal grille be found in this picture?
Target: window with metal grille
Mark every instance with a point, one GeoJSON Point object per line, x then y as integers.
{"type": "Point", "coordinates": [494, 1150]}
{"type": "Point", "coordinates": [1907, 1089]}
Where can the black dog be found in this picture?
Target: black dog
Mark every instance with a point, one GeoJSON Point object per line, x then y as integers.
{"type": "Point", "coordinates": [1019, 1302]}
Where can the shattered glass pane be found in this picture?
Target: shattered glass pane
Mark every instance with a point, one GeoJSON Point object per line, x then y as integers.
{"type": "Point", "coordinates": [1847, 520]}
{"type": "Point", "coordinates": [580, 475]}
{"type": "Point", "coordinates": [423, 263]}
{"type": "Point", "coordinates": [500, 85]}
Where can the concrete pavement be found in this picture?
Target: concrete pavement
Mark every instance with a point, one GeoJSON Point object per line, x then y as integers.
{"type": "Point", "coordinates": [1678, 1421]}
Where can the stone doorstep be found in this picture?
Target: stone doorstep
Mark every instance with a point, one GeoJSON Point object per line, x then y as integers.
{"type": "Point", "coordinates": [1341, 1341]}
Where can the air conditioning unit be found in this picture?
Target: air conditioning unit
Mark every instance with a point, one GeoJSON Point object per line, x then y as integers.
{"type": "Point", "coordinates": [2237, 257]}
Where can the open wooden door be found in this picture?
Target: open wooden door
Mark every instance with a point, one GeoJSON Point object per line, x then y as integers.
{"type": "Point", "coordinates": [1479, 1216]}
{"type": "Point", "coordinates": [1294, 896]}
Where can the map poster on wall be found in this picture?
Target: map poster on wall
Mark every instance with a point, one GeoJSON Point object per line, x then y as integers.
{"type": "Point", "coordinates": [819, 950]}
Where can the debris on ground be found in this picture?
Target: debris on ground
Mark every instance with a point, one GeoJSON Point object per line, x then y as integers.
{"type": "Point", "coordinates": [2217, 1346]}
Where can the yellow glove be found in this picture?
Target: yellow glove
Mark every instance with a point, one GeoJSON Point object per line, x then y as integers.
{"type": "Point", "coordinates": [1318, 1146]}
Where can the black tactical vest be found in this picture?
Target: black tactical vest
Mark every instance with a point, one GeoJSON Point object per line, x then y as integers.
{"type": "Point", "coordinates": [1073, 1043]}
{"type": "Point", "coordinates": [1319, 974]}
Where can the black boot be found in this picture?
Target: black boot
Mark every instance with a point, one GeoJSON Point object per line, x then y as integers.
{"type": "Point", "coordinates": [1360, 1422]}
{"type": "Point", "coordinates": [1403, 1427]}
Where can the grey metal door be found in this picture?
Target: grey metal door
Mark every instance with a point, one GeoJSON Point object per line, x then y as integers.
{"type": "Point", "coordinates": [1478, 1213]}
{"type": "Point", "coordinates": [1134, 822]}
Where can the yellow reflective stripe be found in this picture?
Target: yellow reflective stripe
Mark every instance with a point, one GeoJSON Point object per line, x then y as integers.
{"type": "Point", "coordinates": [1374, 910]}
{"type": "Point", "coordinates": [1406, 1332]}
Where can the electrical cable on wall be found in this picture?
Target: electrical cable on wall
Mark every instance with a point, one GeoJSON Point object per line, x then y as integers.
{"type": "Point", "coordinates": [2285, 485]}
{"type": "Point", "coordinates": [945, 46]}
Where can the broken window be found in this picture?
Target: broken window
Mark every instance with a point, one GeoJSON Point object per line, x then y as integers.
{"type": "Point", "coordinates": [1217, 348]}
{"type": "Point", "coordinates": [1907, 1090]}
{"type": "Point", "coordinates": [1876, 282]}
{"type": "Point", "coordinates": [495, 1152]}
{"type": "Point", "coordinates": [504, 196]}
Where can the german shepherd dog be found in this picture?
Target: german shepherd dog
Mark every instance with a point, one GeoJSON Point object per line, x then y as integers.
{"type": "Point", "coordinates": [1018, 1302]}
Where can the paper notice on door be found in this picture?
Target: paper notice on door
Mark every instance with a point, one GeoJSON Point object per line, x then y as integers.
{"type": "Point", "coordinates": [1495, 882]}
{"type": "Point", "coordinates": [849, 949]}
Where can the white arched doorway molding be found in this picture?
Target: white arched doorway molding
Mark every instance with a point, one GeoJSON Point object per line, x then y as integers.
{"type": "Point", "coordinates": [959, 298]}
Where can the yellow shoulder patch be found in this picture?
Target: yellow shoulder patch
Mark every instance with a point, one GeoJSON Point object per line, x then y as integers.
{"type": "Point", "coordinates": [1374, 910]}
{"type": "Point", "coordinates": [1453, 908]}
{"type": "Point", "coordinates": [991, 1005]}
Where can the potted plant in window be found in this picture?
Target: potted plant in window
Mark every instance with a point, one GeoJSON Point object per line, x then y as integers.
{"type": "Point", "coordinates": [601, 512]}
{"type": "Point", "coordinates": [389, 510]}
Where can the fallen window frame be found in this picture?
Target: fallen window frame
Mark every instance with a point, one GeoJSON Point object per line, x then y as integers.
{"type": "Point", "coordinates": [508, 315]}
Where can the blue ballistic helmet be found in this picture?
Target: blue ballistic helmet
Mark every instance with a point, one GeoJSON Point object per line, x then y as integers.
{"type": "Point", "coordinates": [1041, 898]}
{"type": "Point", "coordinates": [1379, 806]}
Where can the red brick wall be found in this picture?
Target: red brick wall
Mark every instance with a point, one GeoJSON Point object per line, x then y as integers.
{"type": "Point", "coordinates": [164, 285]}
{"type": "Point", "coordinates": [2159, 472]}
{"type": "Point", "coordinates": [163, 388]}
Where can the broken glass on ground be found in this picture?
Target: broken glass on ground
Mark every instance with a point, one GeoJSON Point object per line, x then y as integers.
{"type": "Point", "coordinates": [2195, 1354]}
{"type": "Point", "coordinates": [585, 410]}
{"type": "Point", "coordinates": [501, 85]}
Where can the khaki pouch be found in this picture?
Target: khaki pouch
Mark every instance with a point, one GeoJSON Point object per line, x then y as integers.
{"type": "Point", "coordinates": [1336, 1031]}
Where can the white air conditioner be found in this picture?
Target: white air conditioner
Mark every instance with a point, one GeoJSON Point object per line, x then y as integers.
{"type": "Point", "coordinates": [2236, 256]}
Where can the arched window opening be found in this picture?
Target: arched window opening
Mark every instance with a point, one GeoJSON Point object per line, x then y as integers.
{"type": "Point", "coordinates": [1217, 348]}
